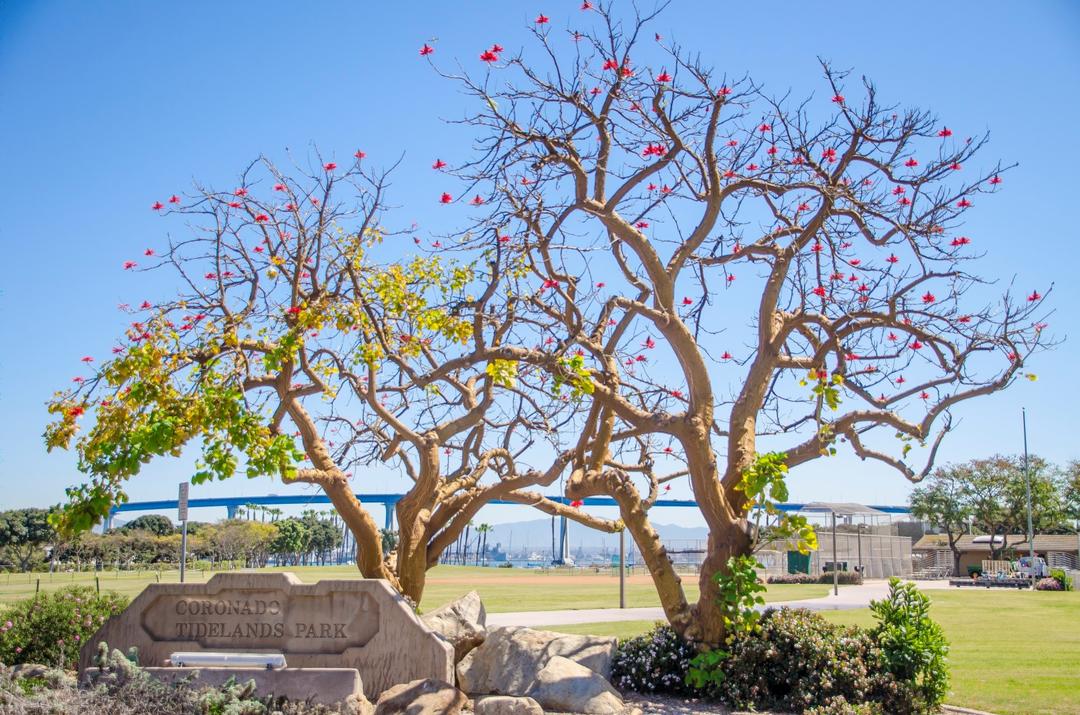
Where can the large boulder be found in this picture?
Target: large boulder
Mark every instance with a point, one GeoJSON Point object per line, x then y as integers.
{"type": "Point", "coordinates": [510, 658]}
{"type": "Point", "coordinates": [460, 622]}
{"type": "Point", "coordinates": [421, 697]}
{"type": "Point", "coordinates": [506, 705]}
{"type": "Point", "coordinates": [566, 686]}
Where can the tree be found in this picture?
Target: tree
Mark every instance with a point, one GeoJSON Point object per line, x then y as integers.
{"type": "Point", "coordinates": [642, 199]}
{"type": "Point", "coordinates": [291, 542]}
{"type": "Point", "coordinates": [154, 523]}
{"type": "Point", "coordinates": [1072, 492]}
{"type": "Point", "coordinates": [324, 535]}
{"type": "Point", "coordinates": [574, 329]}
{"type": "Point", "coordinates": [481, 546]}
{"type": "Point", "coordinates": [24, 533]}
{"type": "Point", "coordinates": [290, 351]}
{"type": "Point", "coordinates": [997, 492]}
{"type": "Point", "coordinates": [942, 501]}
{"type": "Point", "coordinates": [237, 539]}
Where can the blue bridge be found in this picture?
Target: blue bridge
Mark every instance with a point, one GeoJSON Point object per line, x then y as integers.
{"type": "Point", "coordinates": [389, 501]}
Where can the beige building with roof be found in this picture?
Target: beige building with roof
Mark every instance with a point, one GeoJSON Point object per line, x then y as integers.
{"type": "Point", "coordinates": [932, 553]}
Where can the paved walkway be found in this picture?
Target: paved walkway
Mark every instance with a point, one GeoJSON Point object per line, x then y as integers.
{"type": "Point", "coordinates": [850, 597]}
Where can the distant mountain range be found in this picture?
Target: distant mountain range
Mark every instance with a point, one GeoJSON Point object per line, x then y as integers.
{"type": "Point", "coordinates": [536, 535]}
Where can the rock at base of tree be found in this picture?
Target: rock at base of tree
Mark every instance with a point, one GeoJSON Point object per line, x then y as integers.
{"type": "Point", "coordinates": [460, 622]}
{"type": "Point", "coordinates": [511, 657]}
{"type": "Point", "coordinates": [421, 697]}
{"type": "Point", "coordinates": [566, 686]}
{"type": "Point", "coordinates": [507, 705]}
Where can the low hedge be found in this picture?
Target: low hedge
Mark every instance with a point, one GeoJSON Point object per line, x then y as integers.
{"type": "Point", "coordinates": [844, 578]}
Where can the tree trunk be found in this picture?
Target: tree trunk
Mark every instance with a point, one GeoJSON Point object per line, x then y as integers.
{"type": "Point", "coordinates": [724, 544]}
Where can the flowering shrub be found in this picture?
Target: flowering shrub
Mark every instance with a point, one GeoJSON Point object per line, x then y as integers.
{"type": "Point", "coordinates": [51, 627]}
{"type": "Point", "coordinates": [792, 578]}
{"type": "Point", "coordinates": [799, 660]}
{"type": "Point", "coordinates": [1049, 584]}
{"type": "Point", "coordinates": [1063, 578]}
{"type": "Point", "coordinates": [844, 578]}
{"type": "Point", "coordinates": [840, 706]}
{"type": "Point", "coordinates": [654, 662]}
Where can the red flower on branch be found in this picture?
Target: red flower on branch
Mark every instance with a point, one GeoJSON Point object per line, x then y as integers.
{"type": "Point", "coordinates": [963, 203]}
{"type": "Point", "coordinates": [928, 297]}
{"type": "Point", "coordinates": [240, 192]}
{"type": "Point", "coordinates": [279, 187]}
{"type": "Point", "coordinates": [725, 355]}
{"type": "Point", "coordinates": [577, 503]}
{"type": "Point", "coordinates": [360, 154]}
{"type": "Point", "coordinates": [426, 50]}
{"type": "Point", "coordinates": [649, 343]}
{"type": "Point", "coordinates": [663, 77]}
{"type": "Point", "coordinates": [819, 291]}
{"type": "Point", "coordinates": [892, 258]}
{"type": "Point", "coordinates": [916, 345]}
{"type": "Point", "coordinates": [945, 132]}
{"type": "Point", "coordinates": [477, 200]}
{"type": "Point", "coordinates": [128, 265]}
{"type": "Point", "coordinates": [445, 198]}
{"type": "Point", "coordinates": [687, 301]}
{"type": "Point", "coordinates": [995, 180]}
{"type": "Point", "coordinates": [838, 98]}
{"type": "Point", "coordinates": [542, 19]}
{"type": "Point", "coordinates": [329, 166]}
{"type": "Point", "coordinates": [911, 163]}
{"type": "Point", "coordinates": [157, 206]}
{"type": "Point", "coordinates": [174, 199]}
{"type": "Point", "coordinates": [765, 128]}
{"type": "Point", "coordinates": [1034, 296]}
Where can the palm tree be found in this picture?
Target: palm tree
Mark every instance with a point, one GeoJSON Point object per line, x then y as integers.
{"type": "Point", "coordinates": [481, 546]}
{"type": "Point", "coordinates": [465, 555]}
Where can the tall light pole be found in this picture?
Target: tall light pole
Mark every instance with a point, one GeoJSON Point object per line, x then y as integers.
{"type": "Point", "coordinates": [1027, 489]}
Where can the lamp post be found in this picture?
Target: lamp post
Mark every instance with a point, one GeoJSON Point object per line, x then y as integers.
{"type": "Point", "coordinates": [1027, 490]}
{"type": "Point", "coordinates": [835, 569]}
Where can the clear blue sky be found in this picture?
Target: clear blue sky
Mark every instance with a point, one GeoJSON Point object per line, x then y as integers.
{"type": "Point", "coordinates": [107, 107]}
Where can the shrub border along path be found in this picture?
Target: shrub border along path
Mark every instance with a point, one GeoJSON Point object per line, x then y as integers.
{"type": "Point", "coordinates": [1012, 652]}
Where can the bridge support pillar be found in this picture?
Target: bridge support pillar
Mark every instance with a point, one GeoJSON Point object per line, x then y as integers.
{"type": "Point", "coordinates": [231, 510]}
{"type": "Point", "coordinates": [560, 554]}
{"type": "Point", "coordinates": [107, 524]}
{"type": "Point", "coordinates": [388, 518]}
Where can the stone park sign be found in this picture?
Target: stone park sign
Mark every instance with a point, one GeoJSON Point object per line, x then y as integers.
{"type": "Point", "coordinates": [356, 623]}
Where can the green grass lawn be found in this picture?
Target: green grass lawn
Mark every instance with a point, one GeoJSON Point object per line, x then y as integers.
{"type": "Point", "coordinates": [1012, 652]}
{"type": "Point", "coordinates": [501, 589]}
